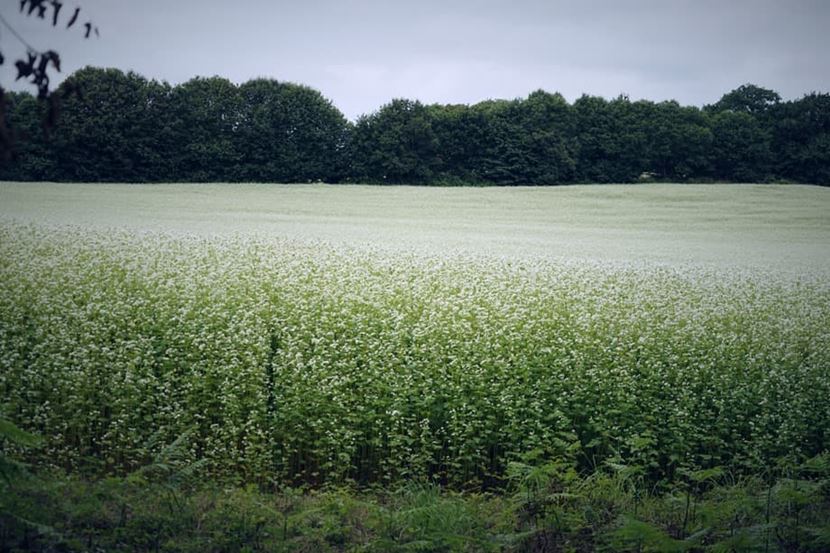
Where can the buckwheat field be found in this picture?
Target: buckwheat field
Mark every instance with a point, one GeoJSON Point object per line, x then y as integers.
{"type": "Point", "coordinates": [318, 334]}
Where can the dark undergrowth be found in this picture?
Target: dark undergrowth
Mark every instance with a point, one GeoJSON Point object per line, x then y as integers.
{"type": "Point", "coordinates": [545, 507]}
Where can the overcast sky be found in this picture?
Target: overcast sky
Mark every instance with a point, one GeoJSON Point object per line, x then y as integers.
{"type": "Point", "coordinates": [362, 53]}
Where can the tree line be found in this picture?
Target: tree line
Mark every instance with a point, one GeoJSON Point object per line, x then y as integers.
{"type": "Point", "coordinates": [123, 127]}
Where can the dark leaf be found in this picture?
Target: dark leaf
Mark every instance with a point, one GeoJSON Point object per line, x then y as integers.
{"type": "Point", "coordinates": [88, 26]}
{"type": "Point", "coordinates": [23, 5]}
{"type": "Point", "coordinates": [55, 59]}
{"type": "Point", "coordinates": [56, 6]}
{"type": "Point", "coordinates": [24, 69]}
{"type": "Point", "coordinates": [74, 18]}
{"type": "Point", "coordinates": [44, 61]}
{"type": "Point", "coordinates": [34, 5]}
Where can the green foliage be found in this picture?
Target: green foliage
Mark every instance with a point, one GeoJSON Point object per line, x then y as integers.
{"type": "Point", "coordinates": [597, 512]}
{"type": "Point", "coordinates": [12, 434]}
{"type": "Point", "coordinates": [124, 128]}
{"type": "Point", "coordinates": [245, 393]}
{"type": "Point", "coordinates": [611, 144]}
{"type": "Point", "coordinates": [287, 133]}
{"type": "Point", "coordinates": [276, 362]}
{"type": "Point", "coordinates": [801, 134]}
{"type": "Point", "coordinates": [202, 129]}
{"type": "Point", "coordinates": [114, 131]}
{"type": "Point", "coordinates": [748, 98]}
{"type": "Point", "coordinates": [420, 518]}
{"type": "Point", "coordinates": [743, 147]}
{"type": "Point", "coordinates": [636, 535]}
{"type": "Point", "coordinates": [12, 437]}
{"type": "Point", "coordinates": [396, 145]}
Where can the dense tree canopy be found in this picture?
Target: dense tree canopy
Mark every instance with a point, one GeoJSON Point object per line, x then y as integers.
{"type": "Point", "coordinates": [396, 144]}
{"type": "Point", "coordinates": [123, 127]}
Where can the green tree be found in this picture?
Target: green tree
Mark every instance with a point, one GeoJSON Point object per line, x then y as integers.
{"type": "Point", "coordinates": [530, 142]}
{"type": "Point", "coordinates": [288, 133]}
{"type": "Point", "coordinates": [113, 131]}
{"type": "Point", "coordinates": [547, 125]}
{"type": "Point", "coordinates": [463, 133]}
{"type": "Point", "coordinates": [741, 147]}
{"type": "Point", "coordinates": [396, 144]}
{"type": "Point", "coordinates": [679, 141]}
{"type": "Point", "coordinates": [610, 147]}
{"type": "Point", "coordinates": [33, 159]}
{"type": "Point", "coordinates": [801, 139]}
{"type": "Point", "coordinates": [203, 124]}
{"type": "Point", "coordinates": [748, 98]}
{"type": "Point", "coordinates": [632, 151]}
{"type": "Point", "coordinates": [502, 158]}
{"type": "Point", "coordinates": [127, 128]}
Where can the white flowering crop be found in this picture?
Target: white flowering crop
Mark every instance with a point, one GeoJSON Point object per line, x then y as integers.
{"type": "Point", "coordinates": [299, 361]}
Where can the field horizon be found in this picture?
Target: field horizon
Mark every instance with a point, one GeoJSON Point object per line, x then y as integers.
{"type": "Point", "coordinates": [780, 227]}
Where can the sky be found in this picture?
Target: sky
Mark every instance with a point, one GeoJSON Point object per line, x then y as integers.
{"type": "Point", "coordinates": [362, 53]}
